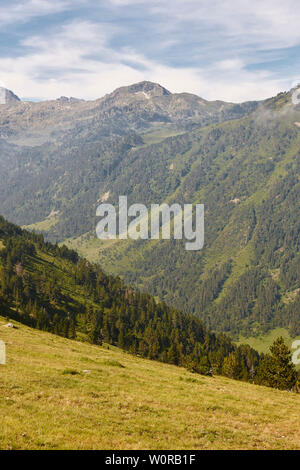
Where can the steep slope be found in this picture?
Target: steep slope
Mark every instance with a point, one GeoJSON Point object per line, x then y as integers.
{"type": "Point", "coordinates": [51, 289]}
{"type": "Point", "coordinates": [241, 161]}
{"type": "Point", "coordinates": [62, 152]}
{"type": "Point", "coordinates": [246, 172]}
{"type": "Point", "coordinates": [61, 394]}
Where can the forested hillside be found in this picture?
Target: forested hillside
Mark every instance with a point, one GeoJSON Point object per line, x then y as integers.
{"type": "Point", "coordinates": [246, 172]}
{"type": "Point", "coordinates": [52, 289]}
{"type": "Point", "coordinates": [58, 160]}
{"type": "Point", "coordinates": [56, 157]}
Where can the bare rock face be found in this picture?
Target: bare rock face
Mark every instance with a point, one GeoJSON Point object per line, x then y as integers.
{"type": "Point", "coordinates": [147, 89]}
{"type": "Point", "coordinates": [8, 97]}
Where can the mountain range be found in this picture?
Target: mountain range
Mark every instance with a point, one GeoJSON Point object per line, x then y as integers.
{"type": "Point", "coordinates": [59, 158]}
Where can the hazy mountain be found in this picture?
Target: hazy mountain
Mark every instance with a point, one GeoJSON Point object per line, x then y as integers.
{"type": "Point", "coordinates": [138, 106]}
{"type": "Point", "coordinates": [58, 158]}
{"type": "Point", "coordinates": [7, 97]}
{"type": "Point", "coordinates": [66, 142]}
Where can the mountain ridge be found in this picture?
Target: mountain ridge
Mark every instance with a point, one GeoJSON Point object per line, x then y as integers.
{"type": "Point", "coordinates": [7, 97]}
{"type": "Point", "coordinates": [125, 108]}
{"type": "Point", "coordinates": [241, 162]}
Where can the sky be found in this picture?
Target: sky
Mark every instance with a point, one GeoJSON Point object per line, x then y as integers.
{"type": "Point", "coordinates": [233, 50]}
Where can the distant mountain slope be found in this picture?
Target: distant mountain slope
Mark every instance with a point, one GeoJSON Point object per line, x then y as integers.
{"type": "Point", "coordinates": [246, 172]}
{"type": "Point", "coordinates": [62, 152]}
{"type": "Point", "coordinates": [138, 106]}
{"type": "Point", "coordinates": [59, 158]}
{"type": "Point", "coordinates": [52, 289]}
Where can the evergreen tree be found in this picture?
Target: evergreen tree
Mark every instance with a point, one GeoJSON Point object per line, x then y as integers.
{"type": "Point", "coordinates": [277, 370]}
{"type": "Point", "coordinates": [232, 367]}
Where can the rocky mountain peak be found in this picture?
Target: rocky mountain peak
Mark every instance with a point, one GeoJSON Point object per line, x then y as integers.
{"type": "Point", "coordinates": [8, 97]}
{"type": "Point", "coordinates": [146, 90]}
{"type": "Point", "coordinates": [150, 88]}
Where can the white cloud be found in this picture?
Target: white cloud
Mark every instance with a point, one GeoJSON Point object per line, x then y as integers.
{"type": "Point", "coordinates": [265, 24]}
{"type": "Point", "coordinates": [75, 61]}
{"type": "Point", "coordinates": [22, 11]}
{"type": "Point", "coordinates": [78, 59]}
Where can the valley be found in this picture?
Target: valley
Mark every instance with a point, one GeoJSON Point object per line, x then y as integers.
{"type": "Point", "coordinates": [240, 161]}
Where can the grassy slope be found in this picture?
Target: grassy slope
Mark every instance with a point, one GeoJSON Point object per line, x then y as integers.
{"type": "Point", "coordinates": [143, 404]}
{"type": "Point", "coordinates": [262, 343]}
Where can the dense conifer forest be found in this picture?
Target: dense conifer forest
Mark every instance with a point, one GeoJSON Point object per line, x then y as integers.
{"type": "Point", "coordinates": [51, 288]}
{"type": "Point", "coordinates": [242, 162]}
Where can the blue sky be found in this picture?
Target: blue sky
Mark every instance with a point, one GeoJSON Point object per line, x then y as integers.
{"type": "Point", "coordinates": [234, 50]}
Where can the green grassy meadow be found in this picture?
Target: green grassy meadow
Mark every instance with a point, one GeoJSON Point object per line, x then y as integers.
{"type": "Point", "coordinates": [61, 394]}
{"type": "Point", "coordinates": [263, 342]}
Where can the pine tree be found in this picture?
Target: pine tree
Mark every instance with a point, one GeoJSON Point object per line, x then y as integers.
{"type": "Point", "coordinates": [277, 370]}
{"type": "Point", "coordinates": [204, 366]}
{"type": "Point", "coordinates": [173, 356]}
{"type": "Point", "coordinates": [232, 367]}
